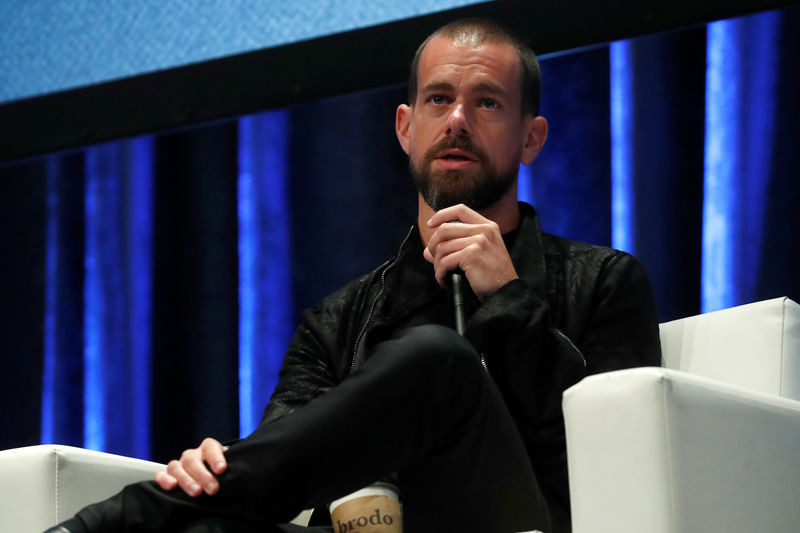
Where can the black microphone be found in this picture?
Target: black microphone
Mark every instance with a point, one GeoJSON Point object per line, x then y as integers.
{"type": "Point", "coordinates": [458, 288]}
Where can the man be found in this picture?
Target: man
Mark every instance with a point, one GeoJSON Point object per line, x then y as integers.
{"type": "Point", "coordinates": [373, 385]}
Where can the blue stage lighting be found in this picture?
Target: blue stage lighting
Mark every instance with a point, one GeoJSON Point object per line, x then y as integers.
{"type": "Point", "coordinates": [623, 227]}
{"type": "Point", "coordinates": [265, 280]}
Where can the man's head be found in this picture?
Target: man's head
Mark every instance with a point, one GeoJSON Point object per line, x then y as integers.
{"type": "Point", "coordinates": [469, 123]}
{"type": "Point", "coordinates": [476, 32]}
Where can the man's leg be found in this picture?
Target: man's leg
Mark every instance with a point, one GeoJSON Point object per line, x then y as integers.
{"type": "Point", "coordinates": [477, 475]}
{"type": "Point", "coordinates": [421, 405]}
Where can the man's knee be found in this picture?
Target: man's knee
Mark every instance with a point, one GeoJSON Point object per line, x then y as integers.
{"type": "Point", "coordinates": [437, 349]}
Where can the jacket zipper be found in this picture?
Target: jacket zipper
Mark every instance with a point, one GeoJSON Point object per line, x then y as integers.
{"type": "Point", "coordinates": [377, 297]}
{"type": "Point", "coordinates": [561, 334]}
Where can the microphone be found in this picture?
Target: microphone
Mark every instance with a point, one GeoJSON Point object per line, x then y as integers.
{"type": "Point", "coordinates": [458, 288]}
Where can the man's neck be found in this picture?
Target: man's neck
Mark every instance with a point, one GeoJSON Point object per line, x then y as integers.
{"type": "Point", "coordinates": [504, 212]}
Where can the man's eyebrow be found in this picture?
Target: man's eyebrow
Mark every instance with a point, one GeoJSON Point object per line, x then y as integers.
{"type": "Point", "coordinates": [488, 87]}
{"type": "Point", "coordinates": [483, 87]}
{"type": "Point", "coordinates": [438, 86]}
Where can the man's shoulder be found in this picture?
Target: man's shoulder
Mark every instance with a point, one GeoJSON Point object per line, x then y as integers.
{"type": "Point", "coordinates": [582, 269]}
{"type": "Point", "coordinates": [587, 280]}
{"type": "Point", "coordinates": [572, 251]}
{"type": "Point", "coordinates": [344, 296]}
{"type": "Point", "coordinates": [568, 252]}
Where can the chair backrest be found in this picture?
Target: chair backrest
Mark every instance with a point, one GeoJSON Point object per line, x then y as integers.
{"type": "Point", "coordinates": [755, 346]}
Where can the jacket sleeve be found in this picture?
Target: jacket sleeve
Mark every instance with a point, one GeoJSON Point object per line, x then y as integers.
{"type": "Point", "coordinates": [533, 362]}
{"type": "Point", "coordinates": [305, 374]}
{"type": "Point", "coordinates": [318, 356]}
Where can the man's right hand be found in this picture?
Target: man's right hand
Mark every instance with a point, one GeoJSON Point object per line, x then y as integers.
{"type": "Point", "coordinates": [191, 472]}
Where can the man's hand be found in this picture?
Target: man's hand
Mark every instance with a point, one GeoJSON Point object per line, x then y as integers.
{"type": "Point", "coordinates": [191, 472]}
{"type": "Point", "coordinates": [475, 246]}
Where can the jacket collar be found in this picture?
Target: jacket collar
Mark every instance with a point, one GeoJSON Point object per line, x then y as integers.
{"type": "Point", "coordinates": [528, 252]}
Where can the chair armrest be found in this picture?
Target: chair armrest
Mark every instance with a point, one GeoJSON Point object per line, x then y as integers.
{"type": "Point", "coordinates": [43, 485]}
{"type": "Point", "coordinates": [663, 451]}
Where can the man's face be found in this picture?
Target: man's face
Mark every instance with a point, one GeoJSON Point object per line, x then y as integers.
{"type": "Point", "coordinates": [464, 134]}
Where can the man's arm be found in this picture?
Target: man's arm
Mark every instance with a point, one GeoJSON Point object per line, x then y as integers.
{"type": "Point", "coordinates": [306, 372]}
{"type": "Point", "coordinates": [531, 360]}
{"type": "Point", "coordinates": [612, 325]}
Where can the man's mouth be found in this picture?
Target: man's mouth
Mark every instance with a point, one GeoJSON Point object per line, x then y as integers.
{"type": "Point", "coordinates": [455, 159]}
{"type": "Point", "coordinates": [454, 154]}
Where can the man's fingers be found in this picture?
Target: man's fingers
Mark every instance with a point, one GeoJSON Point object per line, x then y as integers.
{"type": "Point", "coordinates": [194, 466]}
{"type": "Point", "coordinates": [166, 481]}
{"type": "Point", "coordinates": [189, 485]}
{"type": "Point", "coordinates": [213, 454]}
{"type": "Point", "coordinates": [446, 264]}
{"type": "Point", "coordinates": [190, 471]}
{"type": "Point", "coordinates": [450, 246]}
{"type": "Point", "coordinates": [458, 212]}
{"type": "Point", "coordinates": [448, 232]}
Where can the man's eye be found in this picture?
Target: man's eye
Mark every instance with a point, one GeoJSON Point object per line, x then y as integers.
{"type": "Point", "coordinates": [489, 103]}
{"type": "Point", "coordinates": [438, 99]}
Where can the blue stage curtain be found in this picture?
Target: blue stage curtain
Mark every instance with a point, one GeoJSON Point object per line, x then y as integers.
{"type": "Point", "coordinates": [117, 289]}
{"type": "Point", "coordinates": [62, 390]}
{"type": "Point", "coordinates": [742, 109]}
{"type": "Point", "coordinates": [97, 293]}
{"type": "Point", "coordinates": [168, 272]}
{"type": "Point", "coordinates": [657, 108]}
{"type": "Point", "coordinates": [195, 327]}
{"type": "Point", "coordinates": [265, 277]}
{"type": "Point", "coordinates": [571, 185]}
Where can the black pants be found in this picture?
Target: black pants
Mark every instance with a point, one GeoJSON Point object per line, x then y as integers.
{"type": "Point", "coordinates": [421, 405]}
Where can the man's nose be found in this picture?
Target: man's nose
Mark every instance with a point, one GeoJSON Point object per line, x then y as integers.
{"type": "Point", "coordinates": [457, 123]}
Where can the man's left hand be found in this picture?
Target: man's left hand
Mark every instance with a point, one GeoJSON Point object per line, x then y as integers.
{"type": "Point", "coordinates": [474, 245]}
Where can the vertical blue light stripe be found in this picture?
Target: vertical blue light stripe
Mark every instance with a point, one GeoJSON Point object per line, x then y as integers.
{"type": "Point", "coordinates": [265, 281]}
{"type": "Point", "coordinates": [719, 201]}
{"type": "Point", "coordinates": [248, 289]}
{"type": "Point", "coordinates": [51, 292]}
{"type": "Point", "coordinates": [740, 105]}
{"type": "Point", "coordinates": [117, 297]}
{"type": "Point", "coordinates": [623, 227]}
{"type": "Point", "coordinates": [94, 403]}
{"type": "Point", "coordinates": [525, 184]}
{"type": "Point", "coordinates": [140, 239]}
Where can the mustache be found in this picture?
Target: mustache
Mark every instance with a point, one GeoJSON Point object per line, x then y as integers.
{"type": "Point", "coordinates": [459, 143]}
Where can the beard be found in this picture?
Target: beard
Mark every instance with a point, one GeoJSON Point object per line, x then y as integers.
{"type": "Point", "coordinates": [477, 188]}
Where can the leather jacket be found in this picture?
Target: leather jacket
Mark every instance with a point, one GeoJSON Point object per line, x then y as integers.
{"type": "Point", "coordinates": [576, 309]}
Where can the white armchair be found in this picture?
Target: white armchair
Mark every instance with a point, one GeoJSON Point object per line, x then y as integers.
{"type": "Point", "coordinates": [707, 444]}
{"type": "Point", "coordinates": [41, 486]}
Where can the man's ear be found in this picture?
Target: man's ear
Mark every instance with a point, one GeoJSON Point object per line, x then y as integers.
{"type": "Point", "coordinates": [535, 133]}
{"type": "Point", "coordinates": [402, 125]}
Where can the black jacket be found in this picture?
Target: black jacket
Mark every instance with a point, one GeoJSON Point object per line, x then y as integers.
{"type": "Point", "coordinates": [576, 310]}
